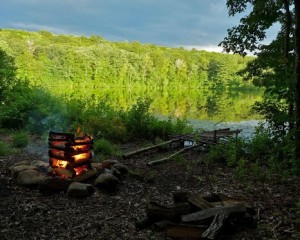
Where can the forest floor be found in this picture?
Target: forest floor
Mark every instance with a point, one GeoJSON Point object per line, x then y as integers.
{"type": "Point", "coordinates": [30, 214]}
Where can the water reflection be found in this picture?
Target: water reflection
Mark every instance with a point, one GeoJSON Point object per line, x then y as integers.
{"type": "Point", "coordinates": [193, 104]}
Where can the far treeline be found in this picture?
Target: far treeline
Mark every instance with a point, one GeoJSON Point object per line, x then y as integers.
{"type": "Point", "coordinates": [47, 60]}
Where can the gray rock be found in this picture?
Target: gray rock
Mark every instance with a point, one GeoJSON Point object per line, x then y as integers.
{"type": "Point", "coordinates": [15, 170]}
{"type": "Point", "coordinates": [39, 163]}
{"type": "Point", "coordinates": [42, 166]}
{"type": "Point", "coordinates": [21, 163]}
{"type": "Point", "coordinates": [106, 170]}
{"type": "Point", "coordinates": [108, 163]}
{"type": "Point", "coordinates": [30, 178]}
{"type": "Point", "coordinates": [80, 190]}
{"type": "Point", "coordinates": [123, 169]}
{"type": "Point", "coordinates": [55, 183]}
{"type": "Point", "coordinates": [106, 180]}
{"type": "Point", "coordinates": [115, 172]}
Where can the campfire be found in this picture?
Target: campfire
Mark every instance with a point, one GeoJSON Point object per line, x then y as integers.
{"type": "Point", "coordinates": [70, 155]}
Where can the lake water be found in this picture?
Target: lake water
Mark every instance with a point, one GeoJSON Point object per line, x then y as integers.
{"type": "Point", "coordinates": [203, 108]}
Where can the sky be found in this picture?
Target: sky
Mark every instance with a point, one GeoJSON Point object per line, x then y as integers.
{"type": "Point", "coordinates": [200, 24]}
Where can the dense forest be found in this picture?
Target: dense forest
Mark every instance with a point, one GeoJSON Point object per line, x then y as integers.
{"type": "Point", "coordinates": [49, 60]}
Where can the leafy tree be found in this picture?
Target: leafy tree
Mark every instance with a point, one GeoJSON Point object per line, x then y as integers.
{"type": "Point", "coordinates": [274, 65]}
{"type": "Point", "coordinates": [7, 72]}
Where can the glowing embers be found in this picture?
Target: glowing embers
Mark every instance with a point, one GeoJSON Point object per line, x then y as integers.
{"type": "Point", "coordinates": [70, 155]}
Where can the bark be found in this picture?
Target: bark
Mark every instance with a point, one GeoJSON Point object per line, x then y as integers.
{"type": "Point", "coordinates": [206, 214]}
{"type": "Point", "coordinates": [297, 79]}
{"type": "Point", "coordinates": [182, 231]}
{"type": "Point", "coordinates": [287, 48]}
{"type": "Point", "coordinates": [158, 212]}
{"type": "Point", "coordinates": [216, 225]}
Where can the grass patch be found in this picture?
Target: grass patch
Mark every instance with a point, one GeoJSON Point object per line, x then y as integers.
{"type": "Point", "coordinates": [20, 139]}
{"type": "Point", "coordinates": [104, 149]}
{"type": "Point", "coordinates": [5, 149]}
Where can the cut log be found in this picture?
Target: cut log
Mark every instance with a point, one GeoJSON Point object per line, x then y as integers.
{"type": "Point", "coordinates": [198, 201]}
{"type": "Point", "coordinates": [209, 213]}
{"type": "Point", "coordinates": [186, 231]}
{"type": "Point", "coordinates": [173, 212]}
{"type": "Point", "coordinates": [217, 224]}
{"type": "Point", "coordinates": [127, 155]}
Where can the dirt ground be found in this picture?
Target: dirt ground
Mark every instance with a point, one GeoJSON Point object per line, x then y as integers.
{"type": "Point", "coordinates": [30, 214]}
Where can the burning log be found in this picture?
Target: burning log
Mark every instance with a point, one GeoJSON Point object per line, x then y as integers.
{"type": "Point", "coordinates": [70, 155]}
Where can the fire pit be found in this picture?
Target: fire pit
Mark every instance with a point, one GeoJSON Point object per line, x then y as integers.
{"type": "Point", "coordinates": [70, 155]}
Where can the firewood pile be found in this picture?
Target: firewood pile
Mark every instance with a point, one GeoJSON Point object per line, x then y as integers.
{"type": "Point", "coordinates": [198, 216]}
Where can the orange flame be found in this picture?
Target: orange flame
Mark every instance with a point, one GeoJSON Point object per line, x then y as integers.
{"type": "Point", "coordinates": [59, 163]}
{"type": "Point", "coordinates": [81, 156]}
{"type": "Point", "coordinates": [83, 140]}
{"type": "Point", "coordinates": [80, 169]}
{"type": "Point", "coordinates": [80, 148]}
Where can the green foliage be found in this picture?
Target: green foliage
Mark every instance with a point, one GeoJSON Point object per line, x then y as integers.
{"type": "Point", "coordinates": [138, 120]}
{"type": "Point", "coordinates": [228, 152]}
{"type": "Point", "coordinates": [30, 107]}
{"type": "Point", "coordinates": [20, 139]}
{"type": "Point", "coordinates": [104, 148]}
{"type": "Point", "coordinates": [140, 123]}
{"type": "Point", "coordinates": [7, 72]}
{"type": "Point", "coordinates": [50, 60]}
{"type": "Point", "coordinates": [4, 149]}
{"type": "Point", "coordinates": [262, 154]}
{"type": "Point", "coordinates": [274, 69]}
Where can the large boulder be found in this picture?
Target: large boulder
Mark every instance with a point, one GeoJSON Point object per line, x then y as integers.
{"type": "Point", "coordinates": [42, 166]}
{"type": "Point", "coordinates": [54, 183]}
{"type": "Point", "coordinates": [15, 170]}
{"type": "Point", "coordinates": [25, 162]}
{"type": "Point", "coordinates": [30, 178]}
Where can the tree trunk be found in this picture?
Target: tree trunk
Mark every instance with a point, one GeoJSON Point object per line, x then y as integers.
{"type": "Point", "coordinates": [288, 25]}
{"type": "Point", "coordinates": [297, 79]}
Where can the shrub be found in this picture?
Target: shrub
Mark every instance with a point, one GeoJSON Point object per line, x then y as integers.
{"type": "Point", "coordinates": [139, 121]}
{"type": "Point", "coordinates": [31, 108]}
{"type": "Point", "coordinates": [267, 152]}
{"type": "Point", "coordinates": [4, 149]}
{"type": "Point", "coordinates": [104, 147]}
{"type": "Point", "coordinates": [20, 139]}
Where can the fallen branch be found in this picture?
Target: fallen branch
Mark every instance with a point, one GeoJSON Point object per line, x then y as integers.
{"type": "Point", "coordinates": [127, 155]}
{"type": "Point", "coordinates": [173, 155]}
